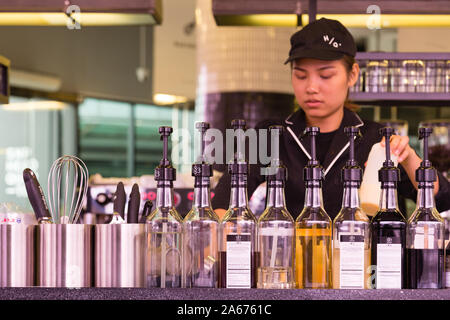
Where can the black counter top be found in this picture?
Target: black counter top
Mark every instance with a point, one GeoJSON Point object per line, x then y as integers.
{"type": "Point", "coordinates": [36, 293]}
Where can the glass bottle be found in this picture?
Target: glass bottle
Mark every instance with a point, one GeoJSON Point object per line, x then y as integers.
{"type": "Point", "coordinates": [276, 232]}
{"type": "Point", "coordinates": [313, 229]}
{"type": "Point", "coordinates": [201, 227]}
{"type": "Point", "coordinates": [239, 256]}
{"type": "Point", "coordinates": [425, 229]}
{"type": "Point", "coordinates": [351, 229]}
{"type": "Point", "coordinates": [389, 228]}
{"type": "Point", "coordinates": [164, 228]}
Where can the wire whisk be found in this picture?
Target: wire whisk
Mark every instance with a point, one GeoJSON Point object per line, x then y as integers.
{"type": "Point", "coordinates": [67, 189]}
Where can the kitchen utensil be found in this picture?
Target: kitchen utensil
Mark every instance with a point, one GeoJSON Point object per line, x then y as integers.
{"type": "Point", "coordinates": [36, 197]}
{"type": "Point", "coordinates": [120, 255]}
{"type": "Point", "coordinates": [67, 188]}
{"type": "Point", "coordinates": [64, 254]}
{"type": "Point", "coordinates": [148, 205]}
{"type": "Point", "coordinates": [17, 255]}
{"type": "Point", "coordinates": [119, 205]}
{"type": "Point", "coordinates": [133, 204]}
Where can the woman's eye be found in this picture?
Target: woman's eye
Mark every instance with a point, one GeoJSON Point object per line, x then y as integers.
{"type": "Point", "coordinates": [326, 76]}
{"type": "Point", "coordinates": [300, 77]}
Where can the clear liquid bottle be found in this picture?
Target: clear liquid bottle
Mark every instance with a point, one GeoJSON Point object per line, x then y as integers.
{"type": "Point", "coordinates": [313, 229]}
{"type": "Point", "coordinates": [425, 229]}
{"type": "Point", "coordinates": [239, 256]}
{"type": "Point", "coordinates": [388, 250]}
{"type": "Point", "coordinates": [201, 227]}
{"type": "Point", "coordinates": [351, 229]}
{"type": "Point", "coordinates": [276, 232]}
{"type": "Point", "coordinates": [164, 228]}
{"type": "Point", "coordinates": [447, 266]}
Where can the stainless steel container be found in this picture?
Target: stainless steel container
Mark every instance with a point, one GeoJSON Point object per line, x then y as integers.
{"type": "Point", "coordinates": [120, 255]}
{"type": "Point", "coordinates": [64, 255]}
{"type": "Point", "coordinates": [17, 255]}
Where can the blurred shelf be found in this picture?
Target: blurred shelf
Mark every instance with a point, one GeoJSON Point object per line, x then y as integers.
{"type": "Point", "coordinates": [401, 98]}
{"type": "Point", "coordinates": [402, 56]}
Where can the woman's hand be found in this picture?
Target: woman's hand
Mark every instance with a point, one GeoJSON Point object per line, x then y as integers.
{"type": "Point", "coordinates": [401, 148]}
{"type": "Point", "coordinates": [407, 157]}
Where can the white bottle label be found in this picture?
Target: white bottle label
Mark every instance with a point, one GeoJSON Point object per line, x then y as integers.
{"type": "Point", "coordinates": [351, 268]}
{"type": "Point", "coordinates": [389, 266]}
{"type": "Point", "coordinates": [239, 253]}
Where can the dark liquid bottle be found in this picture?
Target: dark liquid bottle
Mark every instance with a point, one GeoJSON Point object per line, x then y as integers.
{"type": "Point", "coordinates": [389, 229]}
{"type": "Point", "coordinates": [239, 257]}
{"type": "Point", "coordinates": [425, 230]}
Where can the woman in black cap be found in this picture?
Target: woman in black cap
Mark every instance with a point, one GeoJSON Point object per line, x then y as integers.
{"type": "Point", "coordinates": [323, 66]}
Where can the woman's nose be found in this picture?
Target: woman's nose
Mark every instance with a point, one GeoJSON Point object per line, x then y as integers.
{"type": "Point", "coordinates": [311, 86]}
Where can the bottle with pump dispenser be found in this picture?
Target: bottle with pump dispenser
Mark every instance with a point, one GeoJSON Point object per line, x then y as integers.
{"type": "Point", "coordinates": [201, 226]}
{"type": "Point", "coordinates": [239, 256]}
{"type": "Point", "coordinates": [351, 228]}
{"type": "Point", "coordinates": [276, 231]}
{"type": "Point", "coordinates": [425, 229]}
{"type": "Point", "coordinates": [313, 229]}
{"type": "Point", "coordinates": [164, 228]}
{"type": "Point", "coordinates": [388, 251]}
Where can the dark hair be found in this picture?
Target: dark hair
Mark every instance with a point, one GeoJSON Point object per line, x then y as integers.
{"type": "Point", "coordinates": [349, 61]}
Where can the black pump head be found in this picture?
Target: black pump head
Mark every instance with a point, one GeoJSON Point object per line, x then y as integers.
{"type": "Point", "coordinates": [312, 132]}
{"type": "Point", "coordinates": [239, 165]}
{"type": "Point", "coordinates": [352, 133]}
{"type": "Point", "coordinates": [313, 170]}
{"type": "Point", "coordinates": [278, 172]}
{"type": "Point", "coordinates": [426, 172]}
{"type": "Point", "coordinates": [165, 171]}
{"type": "Point", "coordinates": [389, 172]}
{"type": "Point", "coordinates": [352, 172]}
{"type": "Point", "coordinates": [202, 168]}
{"type": "Point", "coordinates": [387, 132]}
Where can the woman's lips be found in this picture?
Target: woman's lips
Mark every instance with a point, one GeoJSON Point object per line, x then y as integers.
{"type": "Point", "coordinates": [313, 103]}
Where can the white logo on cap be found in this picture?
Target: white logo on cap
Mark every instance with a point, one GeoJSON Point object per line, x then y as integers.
{"type": "Point", "coordinates": [331, 42]}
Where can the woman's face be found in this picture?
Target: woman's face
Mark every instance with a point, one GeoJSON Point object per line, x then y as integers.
{"type": "Point", "coordinates": [321, 86]}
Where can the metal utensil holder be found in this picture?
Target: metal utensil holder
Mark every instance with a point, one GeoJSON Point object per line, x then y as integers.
{"type": "Point", "coordinates": [64, 255]}
{"type": "Point", "coordinates": [120, 255]}
{"type": "Point", "coordinates": [16, 255]}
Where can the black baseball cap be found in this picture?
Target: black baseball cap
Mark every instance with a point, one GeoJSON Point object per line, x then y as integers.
{"type": "Point", "coordinates": [323, 39]}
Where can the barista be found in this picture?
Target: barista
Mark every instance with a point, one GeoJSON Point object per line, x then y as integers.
{"type": "Point", "coordinates": [323, 68]}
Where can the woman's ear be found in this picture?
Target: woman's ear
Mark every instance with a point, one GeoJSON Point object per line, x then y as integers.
{"type": "Point", "coordinates": [353, 75]}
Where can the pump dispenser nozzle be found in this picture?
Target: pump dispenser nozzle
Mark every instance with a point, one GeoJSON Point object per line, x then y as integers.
{"type": "Point", "coordinates": [240, 126]}
{"type": "Point", "coordinates": [389, 172]}
{"type": "Point", "coordinates": [352, 172]}
{"type": "Point", "coordinates": [313, 171]}
{"type": "Point", "coordinates": [426, 172]}
{"type": "Point", "coordinates": [165, 171]}
{"type": "Point", "coordinates": [201, 168]}
{"type": "Point", "coordinates": [276, 164]}
{"type": "Point", "coordinates": [239, 165]}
